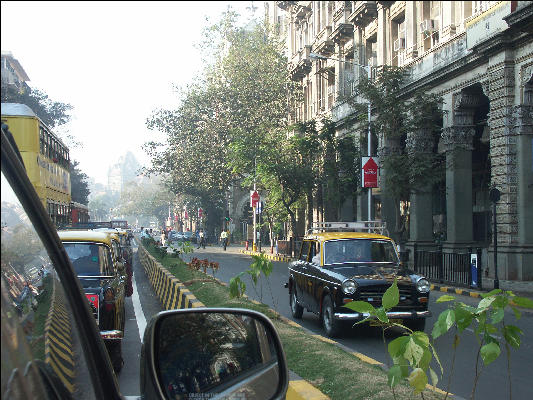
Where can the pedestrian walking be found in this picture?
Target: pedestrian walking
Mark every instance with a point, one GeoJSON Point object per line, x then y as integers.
{"type": "Point", "coordinates": [201, 242]}
{"type": "Point", "coordinates": [224, 239]}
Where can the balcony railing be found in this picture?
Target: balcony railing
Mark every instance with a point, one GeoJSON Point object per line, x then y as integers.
{"type": "Point", "coordinates": [364, 12]}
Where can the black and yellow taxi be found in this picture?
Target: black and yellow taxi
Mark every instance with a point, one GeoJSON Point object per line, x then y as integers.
{"type": "Point", "coordinates": [123, 251]}
{"type": "Point", "coordinates": [96, 259]}
{"type": "Point", "coordinates": [342, 262]}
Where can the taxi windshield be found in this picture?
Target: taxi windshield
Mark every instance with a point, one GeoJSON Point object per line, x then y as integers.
{"type": "Point", "coordinates": [89, 259]}
{"type": "Point", "coordinates": [359, 251]}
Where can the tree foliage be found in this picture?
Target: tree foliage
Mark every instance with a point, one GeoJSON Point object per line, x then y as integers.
{"type": "Point", "coordinates": [145, 200]}
{"type": "Point", "coordinates": [408, 129]}
{"type": "Point", "coordinates": [52, 113]}
{"type": "Point", "coordinates": [79, 184]}
{"type": "Point", "coordinates": [221, 131]}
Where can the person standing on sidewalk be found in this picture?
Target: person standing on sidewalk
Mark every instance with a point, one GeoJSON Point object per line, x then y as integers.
{"type": "Point", "coordinates": [224, 239]}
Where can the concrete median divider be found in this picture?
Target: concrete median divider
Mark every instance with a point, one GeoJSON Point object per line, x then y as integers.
{"type": "Point", "coordinates": [171, 292]}
{"type": "Point", "coordinates": [272, 257]}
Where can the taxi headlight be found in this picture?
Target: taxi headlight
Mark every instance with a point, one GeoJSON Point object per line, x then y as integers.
{"type": "Point", "coordinates": [422, 285]}
{"type": "Point", "coordinates": [349, 287]}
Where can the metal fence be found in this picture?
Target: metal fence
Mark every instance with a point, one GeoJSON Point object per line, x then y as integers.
{"type": "Point", "coordinates": [290, 247]}
{"type": "Point", "coordinates": [448, 268]}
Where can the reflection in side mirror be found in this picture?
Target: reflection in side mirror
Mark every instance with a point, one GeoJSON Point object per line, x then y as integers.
{"type": "Point", "coordinates": [222, 353]}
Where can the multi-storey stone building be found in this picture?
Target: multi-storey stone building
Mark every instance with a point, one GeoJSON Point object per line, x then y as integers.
{"type": "Point", "coordinates": [478, 55]}
{"type": "Point", "coordinates": [12, 73]}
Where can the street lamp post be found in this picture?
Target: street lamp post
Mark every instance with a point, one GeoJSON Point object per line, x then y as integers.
{"type": "Point", "coordinates": [368, 70]}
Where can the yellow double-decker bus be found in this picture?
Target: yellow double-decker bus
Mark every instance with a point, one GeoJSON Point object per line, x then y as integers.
{"type": "Point", "coordinates": [45, 157]}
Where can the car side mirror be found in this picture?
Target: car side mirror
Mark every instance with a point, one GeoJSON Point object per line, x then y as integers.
{"type": "Point", "coordinates": [220, 353]}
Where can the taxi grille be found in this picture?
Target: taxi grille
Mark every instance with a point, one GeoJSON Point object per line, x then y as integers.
{"type": "Point", "coordinates": [374, 295]}
{"type": "Point", "coordinates": [94, 310]}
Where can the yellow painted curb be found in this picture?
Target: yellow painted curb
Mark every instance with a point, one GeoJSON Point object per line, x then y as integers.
{"type": "Point", "coordinates": [324, 339]}
{"type": "Point", "coordinates": [303, 390]}
{"type": "Point", "coordinates": [437, 390]}
{"type": "Point", "coordinates": [367, 359]}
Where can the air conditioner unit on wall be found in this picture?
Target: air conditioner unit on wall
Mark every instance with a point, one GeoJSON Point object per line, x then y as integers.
{"type": "Point", "coordinates": [399, 44]}
{"type": "Point", "coordinates": [428, 26]}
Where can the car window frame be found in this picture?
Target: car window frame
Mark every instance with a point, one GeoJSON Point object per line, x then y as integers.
{"type": "Point", "coordinates": [396, 263]}
{"type": "Point", "coordinates": [305, 241]}
{"type": "Point", "coordinates": [104, 381]}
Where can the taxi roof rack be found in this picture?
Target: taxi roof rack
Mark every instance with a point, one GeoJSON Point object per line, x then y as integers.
{"type": "Point", "coordinates": [378, 227]}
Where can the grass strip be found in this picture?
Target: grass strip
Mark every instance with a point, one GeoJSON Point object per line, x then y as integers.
{"type": "Point", "coordinates": [333, 371]}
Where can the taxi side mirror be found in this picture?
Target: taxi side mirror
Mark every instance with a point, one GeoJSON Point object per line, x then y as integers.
{"type": "Point", "coordinates": [214, 352]}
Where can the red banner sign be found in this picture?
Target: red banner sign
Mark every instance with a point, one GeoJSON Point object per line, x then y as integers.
{"type": "Point", "coordinates": [370, 173]}
{"type": "Point", "coordinates": [93, 299]}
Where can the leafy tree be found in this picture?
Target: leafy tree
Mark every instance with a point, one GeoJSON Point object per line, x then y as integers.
{"type": "Point", "coordinates": [144, 200]}
{"type": "Point", "coordinates": [79, 184]}
{"type": "Point", "coordinates": [52, 113]}
{"type": "Point", "coordinates": [218, 133]}
{"type": "Point", "coordinates": [409, 129]}
{"type": "Point", "coordinates": [100, 206]}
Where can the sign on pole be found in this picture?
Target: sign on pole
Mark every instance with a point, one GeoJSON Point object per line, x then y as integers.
{"type": "Point", "coordinates": [369, 172]}
{"type": "Point", "coordinates": [254, 198]}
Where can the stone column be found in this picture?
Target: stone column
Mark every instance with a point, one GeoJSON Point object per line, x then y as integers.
{"type": "Point", "coordinates": [339, 70]}
{"type": "Point", "coordinates": [524, 128]}
{"type": "Point", "coordinates": [389, 207]}
{"type": "Point", "coordinates": [458, 140]}
{"type": "Point", "coordinates": [382, 35]}
{"type": "Point", "coordinates": [411, 30]}
{"type": "Point", "coordinates": [421, 212]}
{"type": "Point", "coordinates": [448, 19]}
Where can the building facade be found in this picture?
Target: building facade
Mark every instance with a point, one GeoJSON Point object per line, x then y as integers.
{"type": "Point", "coordinates": [12, 73]}
{"type": "Point", "coordinates": [477, 55]}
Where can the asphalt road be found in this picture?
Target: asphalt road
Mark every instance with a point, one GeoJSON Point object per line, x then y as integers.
{"type": "Point", "coordinates": [493, 381]}
{"type": "Point", "coordinates": [140, 307]}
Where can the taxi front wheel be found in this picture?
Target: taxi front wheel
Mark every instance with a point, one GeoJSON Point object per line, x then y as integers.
{"type": "Point", "coordinates": [331, 325]}
{"type": "Point", "coordinates": [296, 309]}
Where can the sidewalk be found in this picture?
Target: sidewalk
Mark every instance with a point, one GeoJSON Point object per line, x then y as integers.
{"type": "Point", "coordinates": [520, 288]}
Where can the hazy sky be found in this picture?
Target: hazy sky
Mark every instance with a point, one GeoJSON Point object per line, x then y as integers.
{"type": "Point", "coordinates": [114, 62]}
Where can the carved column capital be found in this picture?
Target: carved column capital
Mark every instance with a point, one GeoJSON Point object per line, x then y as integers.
{"type": "Point", "coordinates": [458, 137]}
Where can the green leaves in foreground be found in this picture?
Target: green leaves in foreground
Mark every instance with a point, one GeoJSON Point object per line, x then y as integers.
{"type": "Point", "coordinates": [237, 287]}
{"type": "Point", "coordinates": [260, 265]}
{"type": "Point", "coordinates": [413, 352]}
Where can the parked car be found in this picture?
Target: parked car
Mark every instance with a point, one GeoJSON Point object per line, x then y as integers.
{"type": "Point", "coordinates": [97, 261]}
{"type": "Point", "coordinates": [189, 237]}
{"type": "Point", "coordinates": [52, 349]}
{"type": "Point", "coordinates": [336, 267]}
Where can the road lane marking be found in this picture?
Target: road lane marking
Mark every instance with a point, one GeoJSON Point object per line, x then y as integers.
{"type": "Point", "coordinates": [137, 308]}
